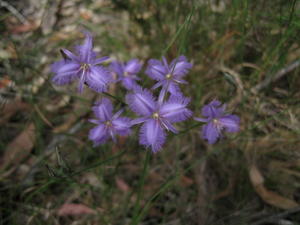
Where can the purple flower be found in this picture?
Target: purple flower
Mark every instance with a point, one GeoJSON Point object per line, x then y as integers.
{"type": "Point", "coordinates": [108, 125]}
{"type": "Point", "coordinates": [169, 75]}
{"type": "Point", "coordinates": [83, 66]}
{"type": "Point", "coordinates": [127, 72]}
{"type": "Point", "coordinates": [156, 116]}
{"type": "Point", "coordinates": [217, 120]}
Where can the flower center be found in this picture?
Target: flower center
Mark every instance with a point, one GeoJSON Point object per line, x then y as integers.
{"type": "Point", "coordinates": [215, 121]}
{"type": "Point", "coordinates": [85, 66]}
{"type": "Point", "coordinates": [155, 115]}
{"type": "Point", "coordinates": [217, 124]}
{"type": "Point", "coordinates": [108, 123]}
{"type": "Point", "coordinates": [126, 74]}
{"type": "Point", "coordinates": [168, 76]}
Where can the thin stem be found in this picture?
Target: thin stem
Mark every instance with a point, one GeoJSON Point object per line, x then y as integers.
{"type": "Point", "coordinates": [188, 129]}
{"type": "Point", "coordinates": [169, 182]}
{"type": "Point", "coordinates": [114, 97]}
{"type": "Point", "coordinates": [140, 188]}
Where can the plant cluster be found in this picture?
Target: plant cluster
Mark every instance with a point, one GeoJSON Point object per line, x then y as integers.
{"type": "Point", "coordinates": [156, 114]}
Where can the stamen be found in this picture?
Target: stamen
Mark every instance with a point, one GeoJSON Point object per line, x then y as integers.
{"type": "Point", "coordinates": [126, 74]}
{"type": "Point", "coordinates": [85, 66]}
{"type": "Point", "coordinates": [108, 123]}
{"type": "Point", "coordinates": [155, 115]}
{"type": "Point", "coordinates": [217, 124]}
{"type": "Point", "coordinates": [168, 76]}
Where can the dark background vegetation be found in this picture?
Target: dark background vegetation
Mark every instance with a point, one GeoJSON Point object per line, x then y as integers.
{"type": "Point", "coordinates": [245, 53]}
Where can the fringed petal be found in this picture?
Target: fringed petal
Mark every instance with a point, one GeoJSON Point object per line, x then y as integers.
{"type": "Point", "coordinates": [152, 135]}
{"type": "Point", "coordinates": [141, 102]}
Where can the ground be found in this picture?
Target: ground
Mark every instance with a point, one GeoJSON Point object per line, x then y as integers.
{"type": "Point", "coordinates": [244, 53]}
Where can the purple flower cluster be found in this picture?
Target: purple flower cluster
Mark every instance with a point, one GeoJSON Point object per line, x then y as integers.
{"type": "Point", "coordinates": [156, 114]}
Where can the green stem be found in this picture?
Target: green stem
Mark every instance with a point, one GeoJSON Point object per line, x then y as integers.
{"type": "Point", "coordinates": [114, 97]}
{"type": "Point", "coordinates": [140, 189]}
{"type": "Point", "coordinates": [165, 186]}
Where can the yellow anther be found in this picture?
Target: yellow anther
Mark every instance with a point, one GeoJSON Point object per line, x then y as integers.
{"type": "Point", "coordinates": [168, 76]}
{"type": "Point", "coordinates": [155, 115]}
{"type": "Point", "coordinates": [85, 66]}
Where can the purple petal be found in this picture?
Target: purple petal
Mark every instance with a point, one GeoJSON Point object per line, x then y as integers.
{"type": "Point", "coordinates": [70, 55]}
{"type": "Point", "coordinates": [210, 133]}
{"type": "Point", "coordinates": [100, 60]}
{"type": "Point", "coordinates": [138, 120]}
{"type": "Point", "coordinates": [65, 66]}
{"type": "Point", "coordinates": [85, 51]}
{"type": "Point", "coordinates": [63, 79]}
{"type": "Point", "coordinates": [81, 81]}
{"type": "Point", "coordinates": [213, 109]}
{"type": "Point", "coordinates": [168, 126]}
{"type": "Point", "coordinates": [156, 70]}
{"type": "Point", "coordinates": [129, 83]}
{"type": "Point", "coordinates": [135, 77]}
{"type": "Point", "coordinates": [165, 62]}
{"type": "Point", "coordinates": [117, 67]}
{"type": "Point", "coordinates": [136, 87]}
{"type": "Point", "coordinates": [178, 59]}
{"type": "Point", "coordinates": [94, 121]}
{"type": "Point", "coordinates": [98, 134]}
{"type": "Point", "coordinates": [133, 66]}
{"type": "Point", "coordinates": [66, 71]}
{"type": "Point", "coordinates": [117, 114]}
{"type": "Point", "coordinates": [152, 135]}
{"type": "Point", "coordinates": [122, 125]}
{"type": "Point", "coordinates": [230, 122]}
{"type": "Point", "coordinates": [179, 81]}
{"type": "Point", "coordinates": [173, 88]}
{"type": "Point", "coordinates": [204, 120]}
{"type": "Point", "coordinates": [103, 109]}
{"type": "Point", "coordinates": [175, 109]}
{"type": "Point", "coordinates": [57, 65]}
{"type": "Point", "coordinates": [158, 84]}
{"type": "Point", "coordinates": [180, 66]}
{"type": "Point", "coordinates": [112, 134]}
{"type": "Point", "coordinates": [161, 97]}
{"type": "Point", "coordinates": [141, 102]}
{"type": "Point", "coordinates": [98, 78]}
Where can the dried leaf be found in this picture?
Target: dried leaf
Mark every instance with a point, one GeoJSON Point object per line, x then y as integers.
{"type": "Point", "coordinates": [6, 82]}
{"type": "Point", "coordinates": [20, 147]}
{"type": "Point", "coordinates": [10, 108]}
{"type": "Point", "coordinates": [70, 209]}
{"type": "Point", "coordinates": [186, 181]}
{"type": "Point", "coordinates": [23, 28]}
{"type": "Point", "coordinates": [91, 179]}
{"type": "Point", "coordinates": [122, 185]}
{"type": "Point", "coordinates": [268, 196]}
{"type": "Point", "coordinates": [79, 109]}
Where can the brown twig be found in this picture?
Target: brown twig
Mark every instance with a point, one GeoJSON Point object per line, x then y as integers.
{"type": "Point", "coordinates": [269, 79]}
{"type": "Point", "coordinates": [14, 11]}
{"type": "Point", "coordinates": [42, 116]}
{"type": "Point", "coordinates": [238, 83]}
